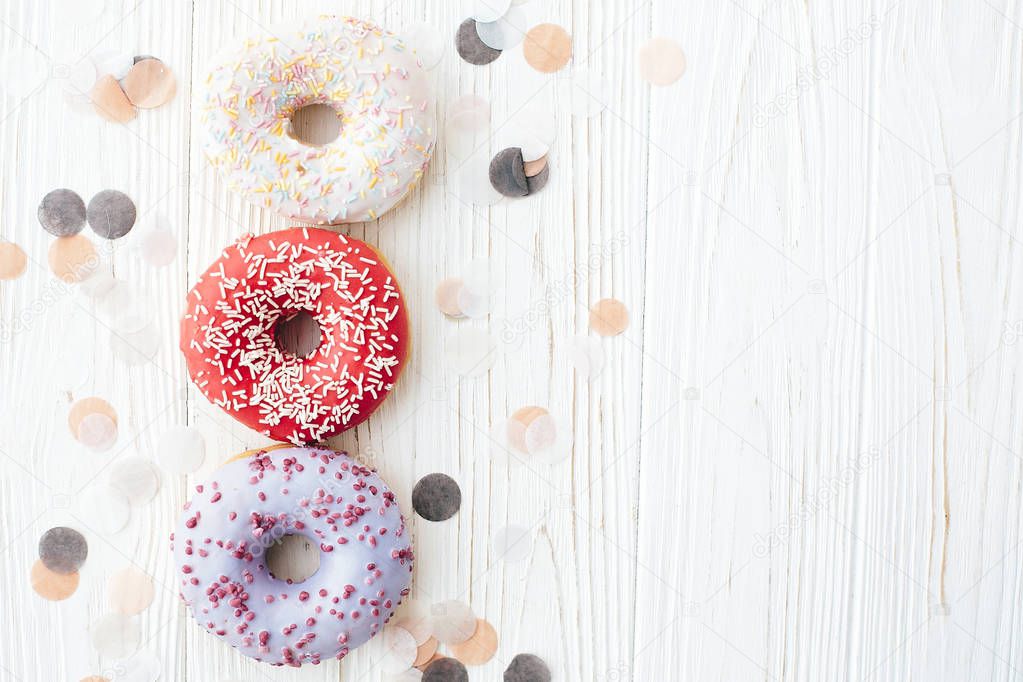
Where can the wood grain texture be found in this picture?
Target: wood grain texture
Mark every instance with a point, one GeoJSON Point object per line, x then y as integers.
{"type": "Point", "coordinates": [803, 458]}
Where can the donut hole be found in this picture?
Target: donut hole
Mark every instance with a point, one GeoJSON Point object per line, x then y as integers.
{"type": "Point", "coordinates": [293, 559]}
{"type": "Point", "coordinates": [316, 124]}
{"type": "Point", "coordinates": [299, 335]}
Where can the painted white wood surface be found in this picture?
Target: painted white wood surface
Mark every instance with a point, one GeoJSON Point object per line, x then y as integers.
{"type": "Point", "coordinates": [802, 461]}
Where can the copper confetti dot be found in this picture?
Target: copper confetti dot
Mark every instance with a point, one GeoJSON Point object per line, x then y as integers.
{"type": "Point", "coordinates": [479, 648]}
{"type": "Point", "coordinates": [72, 259]}
{"type": "Point", "coordinates": [548, 48]}
{"type": "Point", "coordinates": [447, 296]}
{"type": "Point", "coordinates": [426, 651]}
{"type": "Point", "coordinates": [435, 657]}
{"type": "Point", "coordinates": [149, 84]}
{"type": "Point", "coordinates": [50, 585]}
{"type": "Point", "coordinates": [445, 670]}
{"type": "Point", "coordinates": [539, 181]}
{"type": "Point", "coordinates": [86, 406]}
{"type": "Point", "coordinates": [130, 591]}
{"type": "Point", "coordinates": [609, 317]}
{"type": "Point", "coordinates": [110, 102]}
{"type": "Point", "coordinates": [534, 168]}
{"type": "Point", "coordinates": [661, 61]}
{"type": "Point", "coordinates": [13, 261]}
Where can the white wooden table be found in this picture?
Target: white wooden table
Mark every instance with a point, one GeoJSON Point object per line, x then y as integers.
{"type": "Point", "coordinates": [802, 461]}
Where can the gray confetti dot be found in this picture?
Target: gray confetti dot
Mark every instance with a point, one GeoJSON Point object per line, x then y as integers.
{"type": "Point", "coordinates": [508, 173]}
{"type": "Point", "coordinates": [539, 181]}
{"type": "Point", "coordinates": [111, 214]}
{"type": "Point", "coordinates": [527, 668]}
{"type": "Point", "coordinates": [445, 670]}
{"type": "Point", "coordinates": [471, 48]}
{"type": "Point", "coordinates": [62, 213]}
{"type": "Point", "coordinates": [436, 497]}
{"type": "Point", "coordinates": [63, 550]}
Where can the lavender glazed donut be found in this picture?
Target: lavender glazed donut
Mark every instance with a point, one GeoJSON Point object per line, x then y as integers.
{"type": "Point", "coordinates": [365, 561]}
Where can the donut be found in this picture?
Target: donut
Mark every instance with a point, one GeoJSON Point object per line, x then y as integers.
{"type": "Point", "coordinates": [380, 90]}
{"type": "Point", "coordinates": [228, 333]}
{"type": "Point", "coordinates": [220, 545]}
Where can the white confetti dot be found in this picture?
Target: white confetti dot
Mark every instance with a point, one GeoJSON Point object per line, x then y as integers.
{"type": "Point", "coordinates": [116, 64]}
{"type": "Point", "coordinates": [143, 667]}
{"type": "Point", "coordinates": [104, 509]}
{"type": "Point", "coordinates": [97, 431]}
{"type": "Point", "coordinates": [452, 621]}
{"type": "Point", "coordinates": [427, 42]}
{"type": "Point", "coordinates": [512, 543]}
{"type": "Point", "coordinates": [115, 635]}
{"type": "Point", "coordinates": [587, 356]}
{"type": "Point", "coordinates": [506, 32]}
{"type": "Point", "coordinates": [471, 352]}
{"type": "Point", "coordinates": [23, 71]}
{"type": "Point", "coordinates": [487, 10]}
{"type": "Point", "coordinates": [399, 649]}
{"type": "Point", "coordinates": [158, 247]}
{"type": "Point", "coordinates": [181, 450]}
{"type": "Point", "coordinates": [135, 478]}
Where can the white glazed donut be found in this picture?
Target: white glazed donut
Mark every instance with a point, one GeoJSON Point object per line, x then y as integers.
{"type": "Point", "coordinates": [375, 82]}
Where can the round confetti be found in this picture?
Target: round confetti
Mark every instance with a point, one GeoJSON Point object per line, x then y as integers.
{"type": "Point", "coordinates": [539, 181]}
{"type": "Point", "coordinates": [98, 284]}
{"type": "Point", "coordinates": [107, 510]}
{"type": "Point", "coordinates": [86, 406]}
{"type": "Point", "coordinates": [487, 10]}
{"type": "Point", "coordinates": [609, 317]}
{"type": "Point", "coordinates": [479, 648]}
{"type": "Point", "coordinates": [426, 651]}
{"type": "Point", "coordinates": [587, 92]}
{"type": "Point", "coordinates": [135, 478]}
{"type": "Point", "coordinates": [115, 64]}
{"type": "Point", "coordinates": [111, 214]}
{"type": "Point", "coordinates": [507, 173]}
{"type": "Point", "coordinates": [81, 77]}
{"type": "Point", "coordinates": [535, 120]}
{"type": "Point", "coordinates": [471, 111]}
{"type": "Point", "coordinates": [158, 247]}
{"type": "Point", "coordinates": [426, 41]}
{"type": "Point", "coordinates": [445, 670]}
{"type": "Point", "coordinates": [519, 422]}
{"type": "Point", "coordinates": [587, 357]}
{"type": "Point", "coordinates": [149, 84]}
{"type": "Point", "coordinates": [73, 259]}
{"type": "Point", "coordinates": [51, 585]}
{"type": "Point", "coordinates": [135, 348]}
{"type": "Point", "coordinates": [474, 185]}
{"type": "Point", "coordinates": [415, 617]}
{"type": "Point", "coordinates": [534, 168]}
{"type": "Point", "coordinates": [97, 431]}
{"type": "Point", "coordinates": [527, 668]}
{"type": "Point", "coordinates": [399, 649]}
{"type": "Point", "coordinates": [471, 352]}
{"type": "Point", "coordinates": [143, 667]}
{"type": "Point", "coordinates": [506, 32]}
{"type": "Point", "coordinates": [436, 497]}
{"type": "Point", "coordinates": [181, 450]}
{"type": "Point", "coordinates": [447, 296]}
{"type": "Point", "coordinates": [23, 71]}
{"type": "Point", "coordinates": [547, 48]}
{"type": "Point", "coordinates": [13, 261]}
{"type": "Point", "coordinates": [63, 550]}
{"type": "Point", "coordinates": [62, 213]}
{"type": "Point", "coordinates": [471, 304]}
{"type": "Point", "coordinates": [452, 621]}
{"type": "Point", "coordinates": [661, 61]}
{"type": "Point", "coordinates": [110, 102]}
{"type": "Point", "coordinates": [115, 635]}
{"type": "Point", "coordinates": [130, 591]}
{"type": "Point", "coordinates": [512, 544]}
{"type": "Point", "coordinates": [470, 47]}
{"type": "Point", "coordinates": [541, 434]}
{"type": "Point", "coordinates": [94, 678]}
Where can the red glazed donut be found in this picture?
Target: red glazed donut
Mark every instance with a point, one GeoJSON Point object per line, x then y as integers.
{"type": "Point", "coordinates": [228, 333]}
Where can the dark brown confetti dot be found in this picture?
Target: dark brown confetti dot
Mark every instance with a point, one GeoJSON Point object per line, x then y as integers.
{"type": "Point", "coordinates": [111, 214]}
{"type": "Point", "coordinates": [539, 181]}
{"type": "Point", "coordinates": [527, 668]}
{"type": "Point", "coordinates": [63, 550]}
{"type": "Point", "coordinates": [62, 213]}
{"type": "Point", "coordinates": [471, 48]}
{"type": "Point", "coordinates": [445, 670]}
{"type": "Point", "coordinates": [508, 173]}
{"type": "Point", "coordinates": [436, 497]}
